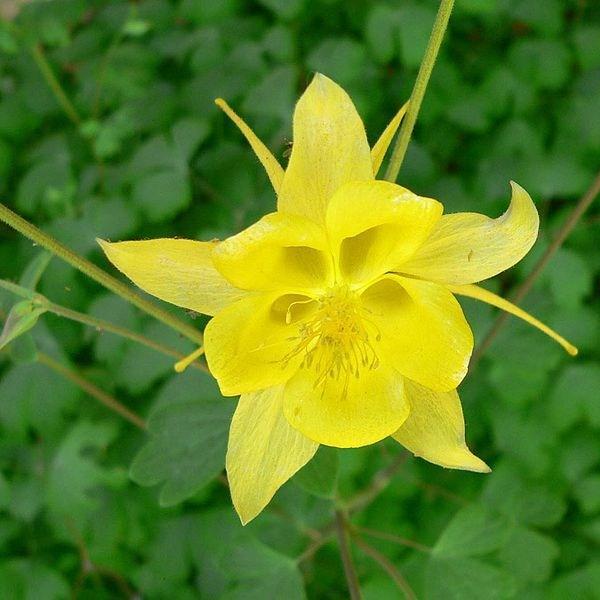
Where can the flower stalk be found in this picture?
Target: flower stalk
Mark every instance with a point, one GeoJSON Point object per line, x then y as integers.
{"type": "Point", "coordinates": [97, 274]}
{"type": "Point", "coordinates": [416, 97]}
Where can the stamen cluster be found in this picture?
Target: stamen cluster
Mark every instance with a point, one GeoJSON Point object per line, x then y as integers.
{"type": "Point", "coordinates": [336, 341]}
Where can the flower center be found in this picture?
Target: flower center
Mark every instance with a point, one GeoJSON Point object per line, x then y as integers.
{"type": "Point", "coordinates": [336, 341]}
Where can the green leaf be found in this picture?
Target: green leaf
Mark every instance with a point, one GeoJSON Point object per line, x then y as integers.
{"type": "Point", "coordinates": [187, 135]}
{"type": "Point", "coordinates": [22, 317]}
{"type": "Point", "coordinates": [26, 579]}
{"type": "Point", "coordinates": [273, 96]}
{"type": "Point", "coordinates": [4, 492]}
{"type": "Point", "coordinates": [186, 448]}
{"type": "Point", "coordinates": [473, 531]}
{"type": "Point", "coordinates": [136, 27]}
{"type": "Point", "coordinates": [23, 349]}
{"type": "Point", "coordinates": [529, 555]}
{"type": "Point", "coordinates": [319, 476]}
{"type": "Point", "coordinates": [575, 391]}
{"type": "Point", "coordinates": [414, 30]}
{"type": "Point", "coordinates": [162, 195]}
{"type": "Point", "coordinates": [545, 63]}
{"type": "Point", "coordinates": [244, 568]}
{"type": "Point", "coordinates": [286, 9]}
{"type": "Point", "coordinates": [35, 269]}
{"type": "Point", "coordinates": [76, 473]}
{"type": "Point", "coordinates": [467, 579]}
{"type": "Point", "coordinates": [344, 59]}
{"type": "Point", "coordinates": [569, 277]}
{"type": "Point", "coordinates": [587, 493]}
{"type": "Point", "coordinates": [534, 505]}
{"type": "Point", "coordinates": [587, 42]}
{"type": "Point", "coordinates": [380, 32]}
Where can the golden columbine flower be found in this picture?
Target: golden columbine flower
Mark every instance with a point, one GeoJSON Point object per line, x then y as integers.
{"type": "Point", "coordinates": [334, 318]}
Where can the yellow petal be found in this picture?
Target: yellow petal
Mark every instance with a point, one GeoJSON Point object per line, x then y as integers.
{"type": "Point", "coordinates": [474, 291]}
{"type": "Point", "coordinates": [268, 161]}
{"type": "Point", "coordinates": [435, 429]}
{"type": "Point", "coordinates": [281, 251]}
{"type": "Point", "coordinates": [246, 344]}
{"type": "Point", "coordinates": [424, 333]}
{"type": "Point", "coordinates": [382, 144]}
{"type": "Point", "coordinates": [177, 271]}
{"type": "Point", "coordinates": [330, 148]}
{"type": "Point", "coordinates": [346, 413]}
{"type": "Point", "coordinates": [469, 247]}
{"type": "Point", "coordinates": [264, 451]}
{"type": "Point", "coordinates": [375, 225]}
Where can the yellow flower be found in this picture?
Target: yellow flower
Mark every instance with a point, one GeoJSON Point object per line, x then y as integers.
{"type": "Point", "coordinates": [334, 318]}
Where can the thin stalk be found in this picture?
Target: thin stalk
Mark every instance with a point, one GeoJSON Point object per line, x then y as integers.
{"type": "Point", "coordinates": [390, 537]}
{"type": "Point", "coordinates": [380, 481]}
{"type": "Point", "coordinates": [48, 74]}
{"type": "Point", "coordinates": [99, 324]}
{"type": "Point", "coordinates": [416, 97]}
{"type": "Point", "coordinates": [386, 564]}
{"type": "Point", "coordinates": [91, 270]}
{"type": "Point", "coordinates": [522, 290]}
{"type": "Point", "coordinates": [92, 389]}
{"type": "Point", "coordinates": [102, 325]}
{"type": "Point", "coordinates": [349, 570]}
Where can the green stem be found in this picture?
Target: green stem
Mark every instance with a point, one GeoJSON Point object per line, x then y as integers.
{"type": "Point", "coordinates": [48, 74]}
{"type": "Point", "coordinates": [92, 389]}
{"type": "Point", "coordinates": [386, 564]}
{"type": "Point", "coordinates": [341, 524]}
{"type": "Point", "coordinates": [416, 98]}
{"type": "Point", "coordinates": [101, 325]}
{"type": "Point", "coordinates": [91, 270]}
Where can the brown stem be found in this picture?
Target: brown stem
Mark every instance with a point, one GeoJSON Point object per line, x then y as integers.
{"type": "Point", "coordinates": [379, 482]}
{"type": "Point", "coordinates": [90, 388]}
{"type": "Point", "coordinates": [387, 566]}
{"type": "Point", "coordinates": [349, 570]}
{"type": "Point", "coordinates": [522, 290]}
{"type": "Point", "coordinates": [390, 537]}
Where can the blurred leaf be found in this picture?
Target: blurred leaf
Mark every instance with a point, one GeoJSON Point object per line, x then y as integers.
{"type": "Point", "coordinates": [472, 532]}
{"type": "Point", "coordinates": [414, 29]}
{"type": "Point", "coordinates": [136, 27]}
{"type": "Point", "coordinates": [26, 579]}
{"type": "Point", "coordinates": [344, 59]}
{"type": "Point", "coordinates": [186, 449]}
{"type": "Point", "coordinates": [4, 492]}
{"type": "Point", "coordinates": [22, 317]}
{"type": "Point", "coordinates": [35, 269]}
{"type": "Point", "coordinates": [467, 579]}
{"type": "Point", "coordinates": [23, 349]}
{"type": "Point", "coordinates": [162, 195]}
{"type": "Point", "coordinates": [187, 135]}
{"type": "Point", "coordinates": [587, 493]}
{"type": "Point", "coordinates": [529, 556]}
{"type": "Point", "coordinates": [569, 277]}
{"type": "Point", "coordinates": [244, 567]}
{"type": "Point", "coordinates": [319, 475]}
{"type": "Point", "coordinates": [545, 63]}
{"type": "Point", "coordinates": [75, 472]}
{"type": "Point", "coordinates": [587, 42]}
{"type": "Point", "coordinates": [273, 95]}
{"type": "Point", "coordinates": [286, 9]}
{"type": "Point", "coordinates": [380, 32]}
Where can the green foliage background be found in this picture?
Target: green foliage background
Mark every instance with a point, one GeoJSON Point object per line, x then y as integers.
{"type": "Point", "coordinates": [515, 95]}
